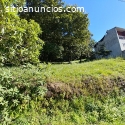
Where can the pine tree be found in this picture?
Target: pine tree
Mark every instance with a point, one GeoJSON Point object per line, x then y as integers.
{"type": "Point", "coordinates": [103, 52]}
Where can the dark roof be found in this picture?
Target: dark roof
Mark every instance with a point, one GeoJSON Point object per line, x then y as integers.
{"type": "Point", "coordinates": [119, 29]}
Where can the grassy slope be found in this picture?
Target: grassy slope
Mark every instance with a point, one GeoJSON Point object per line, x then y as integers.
{"type": "Point", "coordinates": [78, 111]}
{"type": "Point", "coordinates": [69, 73]}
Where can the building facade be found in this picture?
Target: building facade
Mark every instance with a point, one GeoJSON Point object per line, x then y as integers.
{"type": "Point", "coordinates": [114, 41]}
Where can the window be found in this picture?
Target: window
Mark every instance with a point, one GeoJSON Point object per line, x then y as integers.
{"type": "Point", "coordinates": [121, 37]}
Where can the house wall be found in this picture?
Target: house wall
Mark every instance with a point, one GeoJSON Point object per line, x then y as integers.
{"type": "Point", "coordinates": [122, 44]}
{"type": "Point", "coordinates": [111, 43]}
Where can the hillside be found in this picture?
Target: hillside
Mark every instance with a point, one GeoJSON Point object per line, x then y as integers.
{"type": "Point", "coordinates": [90, 93]}
{"type": "Point", "coordinates": [97, 77]}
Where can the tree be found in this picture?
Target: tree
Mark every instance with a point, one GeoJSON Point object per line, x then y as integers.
{"type": "Point", "coordinates": [51, 26]}
{"type": "Point", "coordinates": [63, 32]}
{"type": "Point", "coordinates": [76, 34]}
{"type": "Point", "coordinates": [87, 52]}
{"type": "Point", "coordinates": [103, 52]}
{"type": "Point", "coordinates": [19, 41]}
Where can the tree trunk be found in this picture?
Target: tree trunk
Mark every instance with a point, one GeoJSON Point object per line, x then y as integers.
{"type": "Point", "coordinates": [80, 60]}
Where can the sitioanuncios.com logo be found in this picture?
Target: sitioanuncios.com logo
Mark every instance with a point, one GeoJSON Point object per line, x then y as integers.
{"type": "Point", "coordinates": [52, 9]}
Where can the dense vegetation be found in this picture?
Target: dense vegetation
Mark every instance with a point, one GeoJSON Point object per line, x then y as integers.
{"type": "Point", "coordinates": [66, 36]}
{"type": "Point", "coordinates": [19, 38]}
{"type": "Point", "coordinates": [54, 94]}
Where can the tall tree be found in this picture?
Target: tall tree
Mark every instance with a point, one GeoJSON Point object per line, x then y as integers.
{"type": "Point", "coordinates": [63, 32]}
{"type": "Point", "coordinates": [51, 26]}
{"type": "Point", "coordinates": [76, 34]}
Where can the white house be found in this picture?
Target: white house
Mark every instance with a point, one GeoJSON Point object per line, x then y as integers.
{"type": "Point", "coordinates": [114, 41]}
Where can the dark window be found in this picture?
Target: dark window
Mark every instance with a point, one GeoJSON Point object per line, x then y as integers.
{"type": "Point", "coordinates": [121, 37]}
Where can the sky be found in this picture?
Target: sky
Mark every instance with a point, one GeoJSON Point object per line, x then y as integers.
{"type": "Point", "coordinates": [103, 15]}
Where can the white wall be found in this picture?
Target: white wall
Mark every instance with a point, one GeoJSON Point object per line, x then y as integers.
{"type": "Point", "coordinates": [111, 43]}
{"type": "Point", "coordinates": [122, 44]}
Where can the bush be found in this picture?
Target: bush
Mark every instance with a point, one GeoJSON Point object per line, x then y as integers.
{"type": "Point", "coordinates": [17, 94]}
{"type": "Point", "coordinates": [20, 43]}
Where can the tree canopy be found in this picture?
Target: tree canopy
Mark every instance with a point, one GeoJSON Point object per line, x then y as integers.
{"type": "Point", "coordinates": [65, 34]}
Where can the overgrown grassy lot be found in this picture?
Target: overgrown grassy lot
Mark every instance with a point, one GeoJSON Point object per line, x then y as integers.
{"type": "Point", "coordinates": [90, 93]}
{"type": "Point", "coordinates": [70, 73]}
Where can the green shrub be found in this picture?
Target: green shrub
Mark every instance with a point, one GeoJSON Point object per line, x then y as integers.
{"type": "Point", "coordinates": [17, 94]}
{"type": "Point", "coordinates": [20, 43]}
